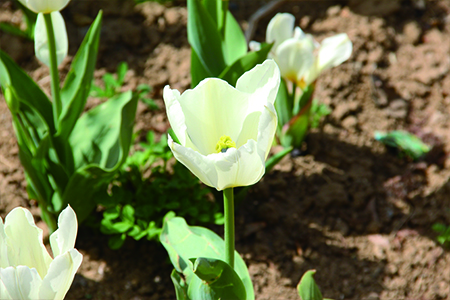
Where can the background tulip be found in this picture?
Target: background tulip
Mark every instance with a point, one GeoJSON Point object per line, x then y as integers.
{"type": "Point", "coordinates": [215, 111]}
{"type": "Point", "coordinates": [27, 271]}
{"type": "Point", "coordinates": [45, 6]}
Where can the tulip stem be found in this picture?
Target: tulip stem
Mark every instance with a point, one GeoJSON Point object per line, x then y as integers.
{"type": "Point", "coordinates": [228, 200]}
{"type": "Point", "coordinates": [54, 75]}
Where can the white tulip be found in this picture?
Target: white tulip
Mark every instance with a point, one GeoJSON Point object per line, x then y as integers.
{"type": "Point", "coordinates": [225, 132]}
{"type": "Point", "coordinates": [41, 38]}
{"type": "Point", "coordinates": [27, 271]}
{"type": "Point", "coordinates": [45, 6]}
{"type": "Point", "coordinates": [299, 57]}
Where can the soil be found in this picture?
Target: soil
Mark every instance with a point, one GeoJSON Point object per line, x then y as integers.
{"type": "Point", "coordinates": [359, 214]}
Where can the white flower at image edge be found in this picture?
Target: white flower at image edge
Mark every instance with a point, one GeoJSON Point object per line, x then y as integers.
{"type": "Point", "coordinates": [225, 133]}
{"type": "Point", "coordinates": [27, 271]}
{"type": "Point", "coordinates": [299, 57]}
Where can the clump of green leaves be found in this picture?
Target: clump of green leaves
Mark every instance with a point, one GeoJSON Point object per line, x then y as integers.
{"type": "Point", "coordinates": [444, 233]}
{"type": "Point", "coordinates": [112, 85]}
{"type": "Point", "coordinates": [147, 188]}
{"type": "Point", "coordinates": [318, 111]}
{"type": "Point", "coordinates": [407, 143]}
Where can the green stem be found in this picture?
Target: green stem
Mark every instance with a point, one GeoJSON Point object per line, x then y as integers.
{"type": "Point", "coordinates": [54, 75]}
{"type": "Point", "coordinates": [228, 199]}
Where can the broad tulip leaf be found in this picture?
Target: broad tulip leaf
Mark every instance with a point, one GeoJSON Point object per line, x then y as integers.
{"type": "Point", "coordinates": [198, 72]}
{"type": "Point", "coordinates": [183, 242]}
{"type": "Point", "coordinates": [78, 81]}
{"type": "Point", "coordinates": [204, 38]}
{"type": "Point", "coordinates": [218, 281]}
{"type": "Point", "coordinates": [102, 136]}
{"type": "Point", "coordinates": [307, 287]}
{"type": "Point", "coordinates": [25, 90]}
{"type": "Point", "coordinates": [234, 43]}
{"type": "Point", "coordinates": [232, 73]}
{"type": "Point", "coordinates": [100, 141]}
{"type": "Point", "coordinates": [217, 10]}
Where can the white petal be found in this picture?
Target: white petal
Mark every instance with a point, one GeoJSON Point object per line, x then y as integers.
{"type": "Point", "coordinates": [4, 262]}
{"type": "Point", "coordinates": [266, 130]}
{"type": "Point", "coordinates": [175, 113]}
{"type": "Point", "coordinates": [263, 80]}
{"type": "Point", "coordinates": [60, 275]}
{"type": "Point", "coordinates": [236, 167]}
{"type": "Point", "coordinates": [254, 46]}
{"type": "Point", "coordinates": [41, 39]}
{"type": "Point", "coordinates": [24, 239]}
{"type": "Point", "coordinates": [46, 6]}
{"type": "Point", "coordinates": [197, 163]}
{"type": "Point", "coordinates": [280, 28]}
{"type": "Point", "coordinates": [248, 166]}
{"type": "Point", "coordinates": [19, 283]}
{"type": "Point", "coordinates": [211, 110]}
{"type": "Point", "coordinates": [294, 58]}
{"type": "Point", "coordinates": [63, 239]}
{"type": "Point", "coordinates": [334, 51]}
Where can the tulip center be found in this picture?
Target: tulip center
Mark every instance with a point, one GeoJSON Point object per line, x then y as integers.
{"type": "Point", "coordinates": [224, 143]}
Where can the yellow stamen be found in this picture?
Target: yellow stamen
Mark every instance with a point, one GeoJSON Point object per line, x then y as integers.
{"type": "Point", "coordinates": [224, 143]}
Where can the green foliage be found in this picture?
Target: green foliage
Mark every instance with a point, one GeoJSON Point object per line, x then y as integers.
{"type": "Point", "coordinates": [444, 233]}
{"type": "Point", "coordinates": [219, 48]}
{"type": "Point", "coordinates": [113, 85]}
{"type": "Point", "coordinates": [307, 287]}
{"type": "Point", "coordinates": [407, 143]}
{"type": "Point", "coordinates": [29, 17]}
{"type": "Point", "coordinates": [197, 255]}
{"type": "Point", "coordinates": [70, 157]}
{"type": "Point", "coordinates": [148, 187]}
{"type": "Point", "coordinates": [318, 111]}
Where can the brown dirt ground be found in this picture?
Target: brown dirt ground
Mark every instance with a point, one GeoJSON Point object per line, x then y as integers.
{"type": "Point", "coordinates": [347, 207]}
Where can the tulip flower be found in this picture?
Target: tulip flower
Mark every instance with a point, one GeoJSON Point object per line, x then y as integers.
{"type": "Point", "coordinates": [41, 44]}
{"type": "Point", "coordinates": [27, 271]}
{"type": "Point", "coordinates": [225, 133]}
{"type": "Point", "coordinates": [45, 6]}
{"type": "Point", "coordinates": [299, 57]}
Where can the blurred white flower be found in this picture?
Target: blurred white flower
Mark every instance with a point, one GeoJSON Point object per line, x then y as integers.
{"type": "Point", "coordinates": [45, 6]}
{"type": "Point", "coordinates": [299, 57]}
{"type": "Point", "coordinates": [27, 271]}
{"type": "Point", "coordinates": [225, 132]}
{"type": "Point", "coordinates": [41, 47]}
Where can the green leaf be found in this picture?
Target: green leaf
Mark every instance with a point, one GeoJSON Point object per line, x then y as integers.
{"type": "Point", "coordinates": [11, 29]}
{"type": "Point", "coordinates": [102, 136]}
{"type": "Point", "coordinates": [283, 105]}
{"type": "Point", "coordinates": [78, 81]}
{"type": "Point", "coordinates": [218, 281]}
{"type": "Point", "coordinates": [25, 89]}
{"type": "Point", "coordinates": [204, 38]}
{"type": "Point", "coordinates": [244, 64]}
{"type": "Point", "coordinates": [406, 142]}
{"type": "Point", "coordinates": [307, 287]}
{"type": "Point", "coordinates": [100, 141]}
{"type": "Point", "coordinates": [234, 43]}
{"type": "Point", "coordinates": [184, 242]}
{"type": "Point", "coordinates": [295, 131]}
{"type": "Point", "coordinates": [116, 241]}
{"type": "Point", "coordinates": [272, 161]}
{"type": "Point", "coordinates": [180, 285]}
{"type": "Point", "coordinates": [198, 71]}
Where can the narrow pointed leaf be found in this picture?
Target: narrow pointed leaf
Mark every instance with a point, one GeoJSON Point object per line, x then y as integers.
{"type": "Point", "coordinates": [78, 81]}
{"type": "Point", "coordinates": [307, 287]}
